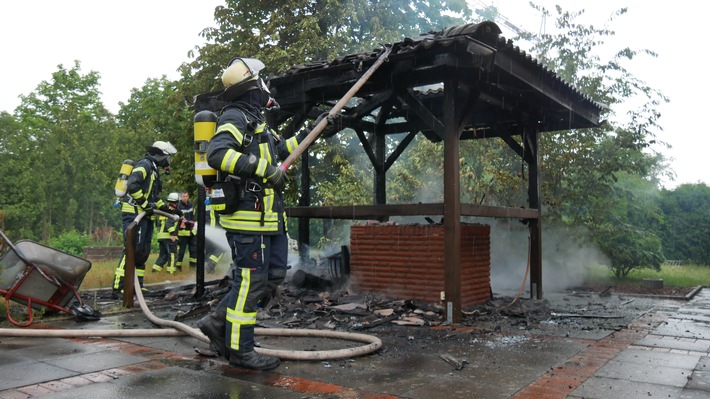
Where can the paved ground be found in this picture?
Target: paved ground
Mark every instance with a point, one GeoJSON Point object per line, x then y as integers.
{"type": "Point", "coordinates": [661, 352]}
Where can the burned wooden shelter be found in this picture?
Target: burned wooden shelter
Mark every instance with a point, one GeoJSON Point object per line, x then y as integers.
{"type": "Point", "coordinates": [461, 83]}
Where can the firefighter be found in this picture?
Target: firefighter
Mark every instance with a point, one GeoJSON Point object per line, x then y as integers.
{"type": "Point", "coordinates": [167, 238]}
{"type": "Point", "coordinates": [247, 150]}
{"type": "Point", "coordinates": [143, 195]}
{"type": "Point", "coordinates": [186, 238]}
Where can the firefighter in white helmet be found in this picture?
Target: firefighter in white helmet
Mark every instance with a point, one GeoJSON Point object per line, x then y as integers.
{"type": "Point", "coordinates": [246, 153]}
{"type": "Point", "coordinates": [143, 195]}
{"type": "Point", "coordinates": [167, 238]}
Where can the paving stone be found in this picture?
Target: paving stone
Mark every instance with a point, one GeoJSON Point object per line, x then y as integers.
{"type": "Point", "coordinates": [57, 348]}
{"type": "Point", "coordinates": [700, 380]}
{"type": "Point", "coordinates": [612, 388]}
{"type": "Point", "coordinates": [653, 374]}
{"type": "Point", "coordinates": [673, 342]}
{"type": "Point", "coordinates": [17, 375]}
{"type": "Point", "coordinates": [693, 394]}
{"type": "Point", "coordinates": [96, 361]}
{"type": "Point", "coordinates": [650, 358]}
{"type": "Point", "coordinates": [683, 328]}
{"type": "Point", "coordinates": [703, 364]}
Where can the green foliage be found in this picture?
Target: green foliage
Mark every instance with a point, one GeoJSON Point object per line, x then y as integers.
{"type": "Point", "coordinates": [71, 242]}
{"type": "Point", "coordinates": [672, 276]}
{"type": "Point", "coordinates": [687, 223]}
{"type": "Point", "coordinates": [58, 152]}
{"type": "Point", "coordinates": [599, 178]}
{"type": "Point", "coordinates": [156, 112]}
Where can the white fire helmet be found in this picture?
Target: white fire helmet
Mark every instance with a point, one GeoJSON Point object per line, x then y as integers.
{"type": "Point", "coordinates": [173, 197]}
{"type": "Point", "coordinates": [165, 147]}
{"type": "Point", "coordinates": [241, 70]}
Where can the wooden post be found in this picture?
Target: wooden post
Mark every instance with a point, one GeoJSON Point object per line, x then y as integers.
{"type": "Point", "coordinates": [452, 206]}
{"type": "Point", "coordinates": [129, 269]}
{"type": "Point", "coordinates": [534, 225]}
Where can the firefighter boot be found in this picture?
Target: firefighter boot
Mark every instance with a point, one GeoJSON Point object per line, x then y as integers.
{"type": "Point", "coordinates": [253, 360]}
{"type": "Point", "coordinates": [213, 326]}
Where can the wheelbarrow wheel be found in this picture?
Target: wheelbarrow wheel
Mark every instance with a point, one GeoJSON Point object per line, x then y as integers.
{"type": "Point", "coordinates": [84, 313]}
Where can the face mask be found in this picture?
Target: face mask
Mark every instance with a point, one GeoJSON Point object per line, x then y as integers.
{"type": "Point", "coordinates": [265, 99]}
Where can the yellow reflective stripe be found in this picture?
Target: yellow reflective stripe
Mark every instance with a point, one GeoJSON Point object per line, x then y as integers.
{"type": "Point", "coordinates": [251, 216]}
{"type": "Point", "coordinates": [249, 226]}
{"type": "Point", "coordinates": [150, 185]}
{"type": "Point", "coordinates": [261, 167]}
{"type": "Point", "coordinates": [228, 127]}
{"type": "Point", "coordinates": [140, 272]}
{"type": "Point", "coordinates": [229, 162]}
{"type": "Point", "coordinates": [264, 152]}
{"type": "Point", "coordinates": [141, 170]}
{"type": "Point", "coordinates": [236, 316]}
{"type": "Point", "coordinates": [268, 202]}
{"type": "Point", "coordinates": [291, 144]}
{"type": "Point", "coordinates": [260, 128]}
{"type": "Point", "coordinates": [138, 195]}
{"type": "Point", "coordinates": [128, 208]}
{"type": "Point", "coordinates": [241, 318]}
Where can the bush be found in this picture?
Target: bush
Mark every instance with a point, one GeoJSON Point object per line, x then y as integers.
{"type": "Point", "coordinates": [71, 242]}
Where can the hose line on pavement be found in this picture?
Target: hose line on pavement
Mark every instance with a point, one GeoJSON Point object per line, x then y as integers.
{"type": "Point", "coordinates": [176, 328]}
{"type": "Point", "coordinates": [373, 343]}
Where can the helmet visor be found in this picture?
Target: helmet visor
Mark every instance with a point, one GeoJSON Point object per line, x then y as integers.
{"type": "Point", "coordinates": [252, 64]}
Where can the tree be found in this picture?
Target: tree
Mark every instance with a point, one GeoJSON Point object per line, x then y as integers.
{"type": "Point", "coordinates": [59, 153]}
{"type": "Point", "coordinates": [581, 168]}
{"type": "Point", "coordinates": [687, 223]}
{"type": "Point", "coordinates": [153, 112]}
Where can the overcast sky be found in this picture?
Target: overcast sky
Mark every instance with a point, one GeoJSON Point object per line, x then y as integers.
{"type": "Point", "coordinates": [130, 41]}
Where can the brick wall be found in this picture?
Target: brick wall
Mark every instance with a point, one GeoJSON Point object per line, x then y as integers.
{"type": "Point", "coordinates": [407, 261]}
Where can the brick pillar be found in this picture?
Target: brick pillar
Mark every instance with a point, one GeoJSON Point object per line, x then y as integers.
{"type": "Point", "coordinates": [407, 261]}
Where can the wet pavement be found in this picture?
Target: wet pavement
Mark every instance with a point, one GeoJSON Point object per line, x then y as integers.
{"type": "Point", "coordinates": [660, 349]}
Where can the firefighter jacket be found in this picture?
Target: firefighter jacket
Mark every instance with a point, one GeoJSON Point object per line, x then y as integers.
{"type": "Point", "coordinates": [188, 213]}
{"type": "Point", "coordinates": [144, 187]}
{"type": "Point", "coordinates": [166, 227]}
{"type": "Point", "coordinates": [241, 131]}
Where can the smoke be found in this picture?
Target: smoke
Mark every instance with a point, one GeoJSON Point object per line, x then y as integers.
{"type": "Point", "coordinates": [215, 237]}
{"type": "Point", "coordinates": [566, 255]}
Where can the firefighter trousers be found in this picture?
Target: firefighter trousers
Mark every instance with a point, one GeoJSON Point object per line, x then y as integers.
{"type": "Point", "coordinates": [261, 264]}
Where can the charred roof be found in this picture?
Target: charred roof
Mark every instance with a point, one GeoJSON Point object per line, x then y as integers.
{"type": "Point", "coordinates": [505, 90]}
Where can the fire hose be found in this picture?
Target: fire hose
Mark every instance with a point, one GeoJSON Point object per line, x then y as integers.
{"type": "Point", "coordinates": [175, 328]}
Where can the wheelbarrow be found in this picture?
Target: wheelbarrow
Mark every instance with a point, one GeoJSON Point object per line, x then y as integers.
{"type": "Point", "coordinates": [41, 277]}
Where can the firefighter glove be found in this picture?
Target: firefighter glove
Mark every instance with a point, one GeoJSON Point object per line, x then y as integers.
{"type": "Point", "coordinates": [275, 176]}
{"type": "Point", "coordinates": [148, 208]}
{"type": "Point", "coordinates": [328, 117]}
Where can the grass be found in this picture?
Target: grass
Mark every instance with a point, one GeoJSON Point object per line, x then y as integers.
{"type": "Point", "coordinates": [102, 272]}
{"type": "Point", "coordinates": [672, 276]}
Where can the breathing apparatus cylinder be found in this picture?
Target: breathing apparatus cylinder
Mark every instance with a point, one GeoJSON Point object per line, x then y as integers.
{"type": "Point", "coordinates": [205, 124]}
{"type": "Point", "coordinates": [122, 182]}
